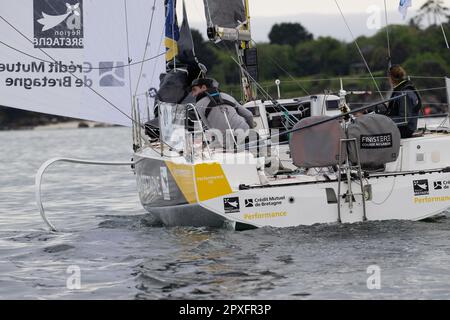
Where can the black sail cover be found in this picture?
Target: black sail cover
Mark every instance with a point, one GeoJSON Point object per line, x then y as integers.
{"type": "Point", "coordinates": [225, 13]}
{"type": "Point", "coordinates": [316, 146]}
{"type": "Point", "coordinates": [377, 139]}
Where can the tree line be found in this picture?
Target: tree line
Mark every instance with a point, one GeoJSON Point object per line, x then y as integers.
{"type": "Point", "coordinates": [294, 53]}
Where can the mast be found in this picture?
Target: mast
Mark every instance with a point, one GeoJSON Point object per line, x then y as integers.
{"type": "Point", "coordinates": [230, 21]}
{"type": "Point", "coordinates": [249, 61]}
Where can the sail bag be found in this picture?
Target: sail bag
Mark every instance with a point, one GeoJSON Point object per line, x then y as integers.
{"type": "Point", "coordinates": [377, 139]}
{"type": "Point", "coordinates": [317, 146]}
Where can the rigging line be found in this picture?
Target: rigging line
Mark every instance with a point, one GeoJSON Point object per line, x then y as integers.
{"type": "Point", "coordinates": [417, 90]}
{"type": "Point", "coordinates": [285, 71]}
{"type": "Point", "coordinates": [426, 77]}
{"type": "Point", "coordinates": [442, 28]}
{"type": "Point", "coordinates": [161, 42]}
{"type": "Point", "coordinates": [173, 36]}
{"type": "Point", "coordinates": [135, 133]}
{"type": "Point", "coordinates": [359, 49]}
{"type": "Point", "coordinates": [129, 59]}
{"type": "Point", "coordinates": [82, 68]}
{"type": "Point", "coordinates": [270, 85]}
{"type": "Point", "coordinates": [72, 73]}
{"type": "Point", "coordinates": [328, 79]}
{"type": "Point", "coordinates": [24, 53]}
{"type": "Point", "coordinates": [146, 45]}
{"type": "Point", "coordinates": [423, 102]}
{"type": "Point", "coordinates": [210, 22]}
{"type": "Point", "coordinates": [430, 89]}
{"type": "Point", "coordinates": [337, 117]}
{"type": "Point", "coordinates": [356, 78]}
{"type": "Point", "coordinates": [387, 35]}
{"type": "Point", "coordinates": [275, 102]}
{"type": "Point", "coordinates": [425, 117]}
{"type": "Point", "coordinates": [361, 78]}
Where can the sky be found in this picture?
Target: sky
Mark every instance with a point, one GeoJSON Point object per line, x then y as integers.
{"type": "Point", "coordinates": [320, 17]}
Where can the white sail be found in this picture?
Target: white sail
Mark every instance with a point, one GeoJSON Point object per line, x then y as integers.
{"type": "Point", "coordinates": [90, 47]}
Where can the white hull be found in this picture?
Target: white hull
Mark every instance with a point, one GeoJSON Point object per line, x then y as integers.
{"type": "Point", "coordinates": [214, 193]}
{"type": "Point", "coordinates": [392, 198]}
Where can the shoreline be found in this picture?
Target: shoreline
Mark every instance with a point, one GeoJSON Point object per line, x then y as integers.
{"type": "Point", "coordinates": [77, 124]}
{"type": "Point", "coordinates": [67, 125]}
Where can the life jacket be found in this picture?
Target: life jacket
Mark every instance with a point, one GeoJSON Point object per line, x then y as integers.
{"type": "Point", "coordinates": [215, 99]}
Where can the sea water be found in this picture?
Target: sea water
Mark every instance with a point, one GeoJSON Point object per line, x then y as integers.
{"type": "Point", "coordinates": [107, 247]}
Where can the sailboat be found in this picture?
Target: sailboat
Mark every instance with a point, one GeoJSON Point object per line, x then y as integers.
{"type": "Point", "coordinates": [310, 162]}
{"type": "Point", "coordinates": [335, 167]}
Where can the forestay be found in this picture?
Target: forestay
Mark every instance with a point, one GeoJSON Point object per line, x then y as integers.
{"type": "Point", "coordinates": [88, 40]}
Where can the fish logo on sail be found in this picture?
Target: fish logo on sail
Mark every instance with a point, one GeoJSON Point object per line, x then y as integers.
{"type": "Point", "coordinates": [49, 21]}
{"type": "Point", "coordinates": [58, 24]}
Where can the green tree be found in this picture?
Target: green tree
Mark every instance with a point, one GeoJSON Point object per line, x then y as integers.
{"type": "Point", "coordinates": [324, 55]}
{"type": "Point", "coordinates": [289, 33]}
{"type": "Point", "coordinates": [429, 64]}
{"type": "Point", "coordinates": [273, 58]}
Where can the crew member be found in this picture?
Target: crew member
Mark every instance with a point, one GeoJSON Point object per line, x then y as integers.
{"type": "Point", "coordinates": [221, 111]}
{"type": "Point", "coordinates": [404, 111]}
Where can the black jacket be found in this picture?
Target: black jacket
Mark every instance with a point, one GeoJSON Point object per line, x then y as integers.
{"type": "Point", "coordinates": [405, 111]}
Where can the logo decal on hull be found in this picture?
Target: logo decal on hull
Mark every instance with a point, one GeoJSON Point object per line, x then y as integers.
{"type": "Point", "coordinates": [249, 203]}
{"type": "Point", "coordinates": [421, 187]}
{"type": "Point", "coordinates": [267, 201]}
{"type": "Point", "coordinates": [441, 185]}
{"type": "Point", "coordinates": [231, 205]}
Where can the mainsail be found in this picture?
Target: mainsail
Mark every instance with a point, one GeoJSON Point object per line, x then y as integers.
{"type": "Point", "coordinates": [87, 66]}
{"type": "Point", "coordinates": [228, 14]}
{"type": "Point", "coordinates": [186, 43]}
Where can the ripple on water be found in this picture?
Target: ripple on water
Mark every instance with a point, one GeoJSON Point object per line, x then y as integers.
{"type": "Point", "coordinates": [124, 253]}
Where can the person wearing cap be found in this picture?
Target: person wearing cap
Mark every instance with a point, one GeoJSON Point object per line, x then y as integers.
{"type": "Point", "coordinates": [219, 110]}
{"type": "Point", "coordinates": [403, 111]}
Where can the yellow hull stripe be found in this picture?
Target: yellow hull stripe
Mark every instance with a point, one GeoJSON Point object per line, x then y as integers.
{"type": "Point", "coordinates": [211, 181]}
{"type": "Point", "coordinates": [184, 177]}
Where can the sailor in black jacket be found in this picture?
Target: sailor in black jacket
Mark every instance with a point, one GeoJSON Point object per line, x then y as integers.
{"type": "Point", "coordinates": [403, 111]}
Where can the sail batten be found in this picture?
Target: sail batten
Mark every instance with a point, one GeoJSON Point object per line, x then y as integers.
{"type": "Point", "coordinates": [76, 49]}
